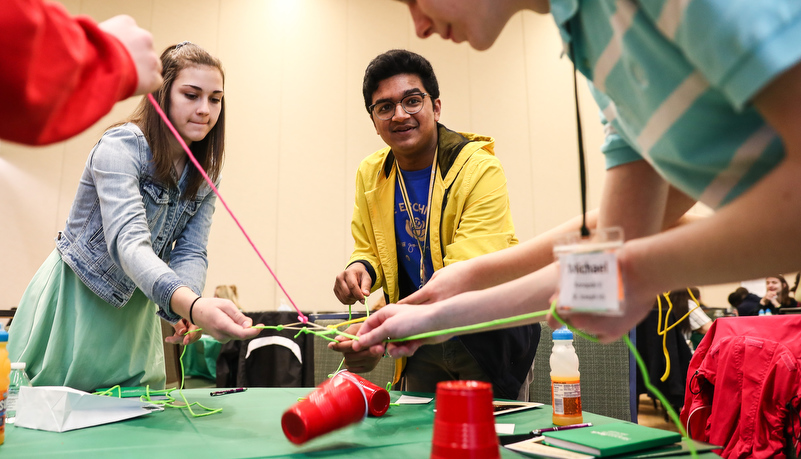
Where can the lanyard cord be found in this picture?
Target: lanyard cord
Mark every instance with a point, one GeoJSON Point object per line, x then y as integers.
{"type": "Point", "coordinates": [582, 167]}
{"type": "Point", "coordinates": [420, 244]}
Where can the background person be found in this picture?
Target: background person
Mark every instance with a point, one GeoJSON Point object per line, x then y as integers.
{"type": "Point", "coordinates": [744, 302]}
{"type": "Point", "coordinates": [777, 295]}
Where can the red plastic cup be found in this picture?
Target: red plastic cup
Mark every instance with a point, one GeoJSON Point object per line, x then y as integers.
{"type": "Point", "coordinates": [377, 397]}
{"type": "Point", "coordinates": [336, 403]}
{"type": "Point", "coordinates": [464, 426]}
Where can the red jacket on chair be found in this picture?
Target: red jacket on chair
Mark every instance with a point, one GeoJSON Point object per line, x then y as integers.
{"type": "Point", "coordinates": [744, 386]}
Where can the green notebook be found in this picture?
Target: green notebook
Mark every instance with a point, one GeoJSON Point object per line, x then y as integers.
{"type": "Point", "coordinates": [611, 439]}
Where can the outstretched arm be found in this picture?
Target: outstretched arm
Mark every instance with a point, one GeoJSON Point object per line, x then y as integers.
{"type": "Point", "coordinates": [63, 73]}
{"type": "Point", "coordinates": [506, 265]}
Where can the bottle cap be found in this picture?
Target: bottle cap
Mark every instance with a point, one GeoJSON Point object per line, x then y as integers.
{"type": "Point", "coordinates": [562, 334]}
{"type": "Point", "coordinates": [3, 335]}
{"type": "Point", "coordinates": [17, 365]}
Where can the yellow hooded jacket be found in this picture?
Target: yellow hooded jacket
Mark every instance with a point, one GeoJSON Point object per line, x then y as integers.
{"type": "Point", "coordinates": [469, 215]}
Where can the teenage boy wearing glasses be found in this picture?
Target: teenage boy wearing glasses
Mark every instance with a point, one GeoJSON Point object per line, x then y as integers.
{"type": "Point", "coordinates": [431, 198]}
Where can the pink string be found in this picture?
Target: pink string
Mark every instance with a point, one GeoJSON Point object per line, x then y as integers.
{"type": "Point", "coordinates": [301, 317]}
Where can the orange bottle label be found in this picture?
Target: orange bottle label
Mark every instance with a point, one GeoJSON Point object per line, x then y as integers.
{"type": "Point", "coordinates": [566, 397]}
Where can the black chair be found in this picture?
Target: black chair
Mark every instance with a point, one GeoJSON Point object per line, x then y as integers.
{"type": "Point", "coordinates": [649, 345]}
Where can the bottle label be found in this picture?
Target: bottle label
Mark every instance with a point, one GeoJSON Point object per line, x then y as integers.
{"type": "Point", "coordinates": [566, 398]}
{"type": "Point", "coordinates": [11, 400]}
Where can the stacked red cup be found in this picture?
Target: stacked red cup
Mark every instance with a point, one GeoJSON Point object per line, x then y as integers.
{"type": "Point", "coordinates": [464, 426]}
{"type": "Point", "coordinates": [336, 403]}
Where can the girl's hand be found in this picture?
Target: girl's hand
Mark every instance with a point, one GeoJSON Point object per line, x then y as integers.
{"type": "Point", "coordinates": [181, 337]}
{"type": "Point", "coordinates": [775, 301]}
{"type": "Point", "coordinates": [770, 297]}
{"type": "Point", "coordinates": [221, 319]}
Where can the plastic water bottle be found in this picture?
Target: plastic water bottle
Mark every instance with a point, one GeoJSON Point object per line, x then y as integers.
{"type": "Point", "coordinates": [768, 313]}
{"type": "Point", "coordinates": [761, 312]}
{"type": "Point", "coordinates": [17, 379]}
{"type": "Point", "coordinates": [5, 369]}
{"type": "Point", "coordinates": [565, 380]}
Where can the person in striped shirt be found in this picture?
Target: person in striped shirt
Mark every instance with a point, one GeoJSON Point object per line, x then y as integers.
{"type": "Point", "coordinates": [701, 102]}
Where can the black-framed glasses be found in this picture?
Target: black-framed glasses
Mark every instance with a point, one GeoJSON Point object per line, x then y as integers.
{"type": "Point", "coordinates": [411, 104]}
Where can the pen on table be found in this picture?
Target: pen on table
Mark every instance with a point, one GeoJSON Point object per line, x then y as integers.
{"type": "Point", "coordinates": [553, 429]}
{"type": "Point", "coordinates": [229, 391]}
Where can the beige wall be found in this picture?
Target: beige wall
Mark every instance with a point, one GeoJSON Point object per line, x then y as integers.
{"type": "Point", "coordinates": [297, 130]}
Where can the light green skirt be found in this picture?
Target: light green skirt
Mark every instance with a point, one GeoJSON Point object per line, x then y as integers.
{"type": "Point", "coordinates": [68, 336]}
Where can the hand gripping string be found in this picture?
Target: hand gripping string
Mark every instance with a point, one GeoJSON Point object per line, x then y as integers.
{"type": "Point", "coordinates": [302, 318]}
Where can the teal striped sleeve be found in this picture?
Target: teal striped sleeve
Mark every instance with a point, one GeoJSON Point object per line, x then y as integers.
{"type": "Point", "coordinates": [739, 46]}
{"type": "Point", "coordinates": [615, 148]}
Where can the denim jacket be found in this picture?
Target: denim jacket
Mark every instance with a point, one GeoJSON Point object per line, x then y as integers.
{"type": "Point", "coordinates": [125, 231]}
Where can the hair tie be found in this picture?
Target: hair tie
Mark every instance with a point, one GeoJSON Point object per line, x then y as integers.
{"type": "Point", "coordinates": [190, 311]}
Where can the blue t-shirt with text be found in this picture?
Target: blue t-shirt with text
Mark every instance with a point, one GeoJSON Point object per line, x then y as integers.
{"type": "Point", "coordinates": [417, 189]}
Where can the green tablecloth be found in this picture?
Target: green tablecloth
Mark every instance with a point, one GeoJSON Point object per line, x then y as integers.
{"type": "Point", "coordinates": [249, 427]}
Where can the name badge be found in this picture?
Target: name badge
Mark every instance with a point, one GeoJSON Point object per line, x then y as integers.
{"type": "Point", "coordinates": [589, 279]}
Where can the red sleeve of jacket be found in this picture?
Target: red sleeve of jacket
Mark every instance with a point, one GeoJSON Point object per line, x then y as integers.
{"type": "Point", "coordinates": [59, 74]}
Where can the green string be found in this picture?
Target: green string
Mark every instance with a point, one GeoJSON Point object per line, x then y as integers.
{"type": "Point", "coordinates": [479, 326]}
{"type": "Point", "coordinates": [171, 401]}
{"type": "Point", "coordinates": [342, 362]}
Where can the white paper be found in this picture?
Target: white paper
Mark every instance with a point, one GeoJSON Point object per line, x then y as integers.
{"type": "Point", "coordinates": [412, 400]}
{"type": "Point", "coordinates": [508, 429]}
{"type": "Point", "coordinates": [59, 409]}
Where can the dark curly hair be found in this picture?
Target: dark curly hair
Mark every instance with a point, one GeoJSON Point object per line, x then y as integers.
{"type": "Point", "coordinates": [398, 62]}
